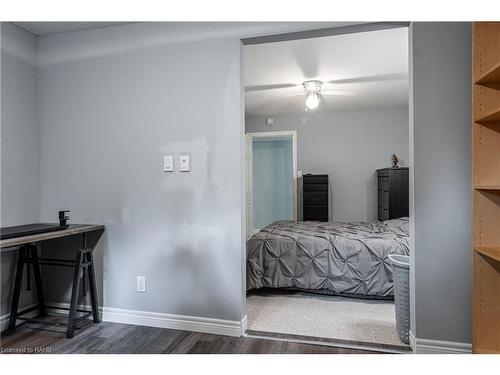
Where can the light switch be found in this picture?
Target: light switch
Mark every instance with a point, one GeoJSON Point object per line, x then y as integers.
{"type": "Point", "coordinates": [141, 284]}
{"type": "Point", "coordinates": [168, 163]}
{"type": "Point", "coordinates": [184, 161]}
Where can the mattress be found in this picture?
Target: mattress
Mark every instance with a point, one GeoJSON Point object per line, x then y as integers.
{"type": "Point", "coordinates": [342, 258]}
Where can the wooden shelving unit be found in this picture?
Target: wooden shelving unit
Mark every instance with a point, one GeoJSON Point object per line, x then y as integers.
{"type": "Point", "coordinates": [491, 252]}
{"type": "Point", "coordinates": [492, 115]}
{"type": "Point", "coordinates": [486, 188]}
{"type": "Point", "coordinates": [491, 75]}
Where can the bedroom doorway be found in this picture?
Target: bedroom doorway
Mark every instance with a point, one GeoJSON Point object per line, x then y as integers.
{"type": "Point", "coordinates": [270, 178]}
{"type": "Point", "coordinates": [324, 276]}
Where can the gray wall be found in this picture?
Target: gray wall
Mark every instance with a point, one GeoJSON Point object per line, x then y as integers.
{"type": "Point", "coordinates": [110, 106]}
{"type": "Point", "coordinates": [105, 122]}
{"type": "Point", "coordinates": [112, 101]}
{"type": "Point", "coordinates": [350, 147]}
{"type": "Point", "coordinates": [441, 133]}
{"type": "Point", "coordinates": [20, 148]}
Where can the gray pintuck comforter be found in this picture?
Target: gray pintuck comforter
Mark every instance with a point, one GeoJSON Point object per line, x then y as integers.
{"type": "Point", "coordinates": [343, 258]}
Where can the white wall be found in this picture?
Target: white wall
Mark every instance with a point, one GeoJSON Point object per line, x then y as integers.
{"type": "Point", "coordinates": [20, 148]}
{"type": "Point", "coordinates": [349, 147]}
{"type": "Point", "coordinates": [441, 134]}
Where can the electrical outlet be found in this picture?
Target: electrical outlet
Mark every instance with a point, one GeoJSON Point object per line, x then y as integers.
{"type": "Point", "coordinates": [141, 284]}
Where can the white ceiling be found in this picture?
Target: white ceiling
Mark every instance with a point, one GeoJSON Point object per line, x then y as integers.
{"type": "Point", "coordinates": [372, 67]}
{"type": "Point", "coordinates": [45, 28]}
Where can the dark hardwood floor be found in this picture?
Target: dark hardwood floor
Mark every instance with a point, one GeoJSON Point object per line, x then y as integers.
{"type": "Point", "coordinates": [123, 338]}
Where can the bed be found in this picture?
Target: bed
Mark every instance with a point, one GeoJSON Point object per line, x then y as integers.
{"type": "Point", "coordinates": [337, 258]}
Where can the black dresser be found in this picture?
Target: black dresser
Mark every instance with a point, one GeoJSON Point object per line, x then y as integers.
{"type": "Point", "coordinates": [393, 195]}
{"type": "Point", "coordinates": [315, 197]}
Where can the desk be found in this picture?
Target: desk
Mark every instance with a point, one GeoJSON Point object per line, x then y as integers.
{"type": "Point", "coordinates": [28, 256]}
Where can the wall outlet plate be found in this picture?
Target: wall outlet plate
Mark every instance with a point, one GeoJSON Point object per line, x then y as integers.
{"type": "Point", "coordinates": [141, 284]}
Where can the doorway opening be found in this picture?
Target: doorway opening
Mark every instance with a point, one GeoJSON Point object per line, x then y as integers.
{"type": "Point", "coordinates": [271, 178]}
{"type": "Point", "coordinates": [323, 274]}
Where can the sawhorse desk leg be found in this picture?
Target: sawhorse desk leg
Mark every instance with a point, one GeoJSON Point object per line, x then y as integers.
{"type": "Point", "coordinates": [84, 262]}
{"type": "Point", "coordinates": [28, 254]}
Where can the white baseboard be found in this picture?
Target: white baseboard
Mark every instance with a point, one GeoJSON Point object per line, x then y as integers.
{"type": "Point", "coordinates": [244, 325]}
{"type": "Point", "coordinates": [173, 321]}
{"type": "Point", "coordinates": [426, 346]}
{"type": "Point", "coordinates": [160, 320]}
{"type": "Point", "coordinates": [413, 343]}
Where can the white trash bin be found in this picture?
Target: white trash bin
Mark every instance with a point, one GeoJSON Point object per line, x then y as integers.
{"type": "Point", "coordinates": [401, 275]}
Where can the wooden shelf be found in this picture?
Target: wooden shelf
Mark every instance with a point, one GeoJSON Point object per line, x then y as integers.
{"type": "Point", "coordinates": [492, 75]}
{"type": "Point", "coordinates": [492, 252]}
{"type": "Point", "coordinates": [486, 191]}
{"type": "Point", "coordinates": [492, 116]}
{"type": "Point", "coordinates": [487, 187]}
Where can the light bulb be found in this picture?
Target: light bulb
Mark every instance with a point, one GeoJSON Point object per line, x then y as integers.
{"type": "Point", "coordinates": [312, 100]}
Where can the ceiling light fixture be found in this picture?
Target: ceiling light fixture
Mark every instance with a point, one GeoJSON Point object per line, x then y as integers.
{"type": "Point", "coordinates": [312, 100]}
{"type": "Point", "coordinates": [313, 90]}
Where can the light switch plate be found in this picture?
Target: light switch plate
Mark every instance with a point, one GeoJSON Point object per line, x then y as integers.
{"type": "Point", "coordinates": [141, 284]}
{"type": "Point", "coordinates": [168, 163]}
{"type": "Point", "coordinates": [184, 163]}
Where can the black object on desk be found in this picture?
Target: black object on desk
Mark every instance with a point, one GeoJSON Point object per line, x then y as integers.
{"type": "Point", "coordinates": [63, 218]}
{"type": "Point", "coordinates": [82, 264]}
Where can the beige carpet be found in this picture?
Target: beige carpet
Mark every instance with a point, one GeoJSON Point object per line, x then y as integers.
{"type": "Point", "coordinates": [370, 321]}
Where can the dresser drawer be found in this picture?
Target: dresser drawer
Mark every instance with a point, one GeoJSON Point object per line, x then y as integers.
{"type": "Point", "coordinates": [383, 173]}
{"type": "Point", "coordinates": [383, 214]}
{"type": "Point", "coordinates": [315, 179]}
{"type": "Point", "coordinates": [315, 198]}
{"type": "Point", "coordinates": [383, 183]}
{"type": "Point", "coordinates": [316, 213]}
{"type": "Point", "coordinates": [315, 187]}
{"type": "Point", "coordinates": [383, 198]}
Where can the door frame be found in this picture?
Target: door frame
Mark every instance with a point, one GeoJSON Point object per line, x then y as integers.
{"type": "Point", "coordinates": [309, 33]}
{"type": "Point", "coordinates": [278, 135]}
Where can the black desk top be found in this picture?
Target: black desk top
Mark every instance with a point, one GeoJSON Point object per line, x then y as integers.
{"type": "Point", "coordinates": [28, 229]}
{"type": "Point", "coordinates": [33, 238]}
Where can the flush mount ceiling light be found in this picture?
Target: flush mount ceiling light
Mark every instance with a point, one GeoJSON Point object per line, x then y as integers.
{"type": "Point", "coordinates": [313, 90]}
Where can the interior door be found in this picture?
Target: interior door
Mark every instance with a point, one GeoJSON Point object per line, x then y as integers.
{"type": "Point", "coordinates": [248, 185]}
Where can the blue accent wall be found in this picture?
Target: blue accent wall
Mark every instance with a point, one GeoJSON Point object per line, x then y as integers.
{"type": "Point", "coordinates": [272, 181]}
